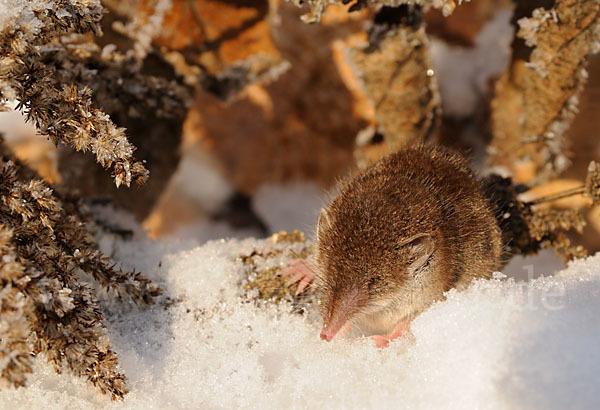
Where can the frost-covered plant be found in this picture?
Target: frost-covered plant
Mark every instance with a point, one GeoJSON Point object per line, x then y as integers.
{"type": "Point", "coordinates": [318, 7]}
{"type": "Point", "coordinates": [44, 307]}
{"type": "Point", "coordinates": [63, 111]}
{"type": "Point", "coordinates": [60, 79]}
{"type": "Point", "coordinates": [15, 312]}
{"type": "Point", "coordinates": [526, 228]}
{"type": "Point", "coordinates": [537, 98]}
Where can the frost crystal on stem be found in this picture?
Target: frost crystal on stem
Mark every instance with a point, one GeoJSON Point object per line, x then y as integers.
{"type": "Point", "coordinates": [44, 308]}
{"type": "Point", "coordinates": [60, 110]}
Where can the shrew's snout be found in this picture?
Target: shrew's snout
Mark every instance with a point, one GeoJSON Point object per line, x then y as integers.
{"type": "Point", "coordinates": [343, 308]}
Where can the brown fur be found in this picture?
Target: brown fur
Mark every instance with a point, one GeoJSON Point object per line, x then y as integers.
{"type": "Point", "coordinates": [366, 244]}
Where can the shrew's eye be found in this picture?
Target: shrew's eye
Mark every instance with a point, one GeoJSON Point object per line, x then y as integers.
{"type": "Point", "coordinates": [373, 282]}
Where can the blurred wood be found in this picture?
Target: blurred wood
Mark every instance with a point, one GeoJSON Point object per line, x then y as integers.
{"type": "Point", "coordinates": [584, 144]}
{"type": "Point", "coordinates": [463, 25]}
{"type": "Point", "coordinates": [397, 74]}
{"type": "Point", "coordinates": [218, 36]}
{"type": "Point", "coordinates": [173, 211]}
{"type": "Point", "coordinates": [39, 154]}
{"type": "Point", "coordinates": [300, 127]}
{"type": "Point", "coordinates": [583, 136]}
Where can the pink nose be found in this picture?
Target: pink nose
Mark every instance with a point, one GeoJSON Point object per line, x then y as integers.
{"type": "Point", "coordinates": [327, 334]}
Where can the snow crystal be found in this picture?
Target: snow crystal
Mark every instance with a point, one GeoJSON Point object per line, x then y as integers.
{"type": "Point", "coordinates": [501, 343]}
{"type": "Point", "coordinates": [19, 14]}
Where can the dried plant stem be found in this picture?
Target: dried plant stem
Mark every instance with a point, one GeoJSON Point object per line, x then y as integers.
{"type": "Point", "coordinates": [559, 195]}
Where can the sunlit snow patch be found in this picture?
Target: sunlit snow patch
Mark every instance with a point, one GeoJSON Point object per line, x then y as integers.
{"type": "Point", "coordinates": [499, 344]}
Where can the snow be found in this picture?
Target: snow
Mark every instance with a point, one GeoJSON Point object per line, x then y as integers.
{"type": "Point", "coordinates": [13, 127]}
{"type": "Point", "coordinates": [464, 73]}
{"type": "Point", "coordinates": [20, 14]}
{"type": "Point", "coordinates": [214, 190]}
{"type": "Point", "coordinates": [502, 343]}
{"type": "Point", "coordinates": [525, 340]}
{"type": "Point", "coordinates": [525, 268]}
{"type": "Point", "coordinates": [291, 206]}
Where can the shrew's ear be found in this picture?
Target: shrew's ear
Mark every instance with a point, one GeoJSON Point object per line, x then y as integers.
{"type": "Point", "coordinates": [419, 248]}
{"type": "Point", "coordinates": [324, 222]}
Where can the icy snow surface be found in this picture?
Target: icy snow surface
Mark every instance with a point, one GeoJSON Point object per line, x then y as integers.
{"type": "Point", "coordinates": [499, 344]}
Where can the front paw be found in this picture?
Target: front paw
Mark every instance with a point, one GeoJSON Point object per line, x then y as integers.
{"type": "Point", "coordinates": [402, 329]}
{"type": "Point", "coordinates": [302, 273]}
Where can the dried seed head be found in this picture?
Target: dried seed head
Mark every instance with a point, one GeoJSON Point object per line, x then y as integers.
{"type": "Point", "coordinates": [592, 182]}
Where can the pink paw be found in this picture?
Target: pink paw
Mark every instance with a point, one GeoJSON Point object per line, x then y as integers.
{"type": "Point", "coordinates": [401, 329]}
{"type": "Point", "coordinates": [381, 341]}
{"type": "Point", "coordinates": [301, 272]}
